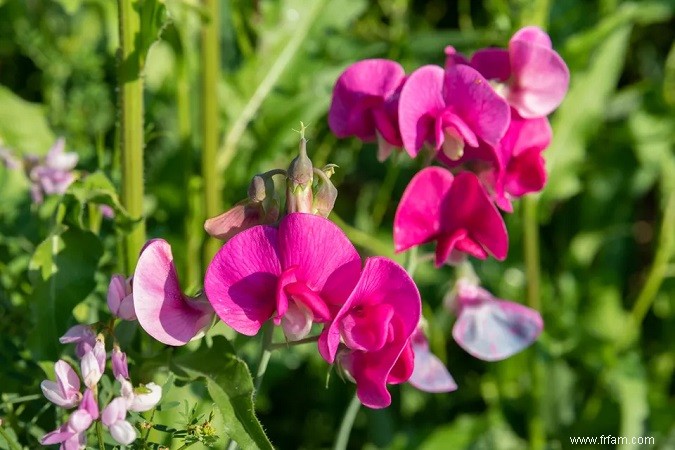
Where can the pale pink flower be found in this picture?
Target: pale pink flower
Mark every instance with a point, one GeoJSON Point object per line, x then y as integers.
{"type": "Point", "coordinates": [120, 297]}
{"type": "Point", "coordinates": [162, 309]}
{"type": "Point", "coordinates": [429, 374]}
{"type": "Point", "coordinates": [92, 364]}
{"type": "Point", "coordinates": [114, 417]}
{"type": "Point", "coordinates": [72, 434]}
{"type": "Point", "coordinates": [65, 392]}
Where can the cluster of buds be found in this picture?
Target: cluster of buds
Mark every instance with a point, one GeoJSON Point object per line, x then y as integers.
{"type": "Point", "coordinates": [51, 174]}
{"type": "Point", "coordinates": [65, 392]}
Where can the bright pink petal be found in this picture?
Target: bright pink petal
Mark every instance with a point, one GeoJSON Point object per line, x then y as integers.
{"type": "Point", "coordinates": [495, 330]}
{"type": "Point", "coordinates": [325, 260]}
{"type": "Point", "coordinates": [241, 280]}
{"type": "Point", "coordinates": [161, 308]}
{"type": "Point", "coordinates": [472, 98]}
{"type": "Point", "coordinates": [540, 77]}
{"type": "Point", "coordinates": [525, 173]}
{"type": "Point", "coordinates": [362, 87]}
{"type": "Point", "coordinates": [430, 374]}
{"type": "Point", "coordinates": [367, 328]}
{"type": "Point", "coordinates": [533, 35]}
{"type": "Point", "coordinates": [417, 218]}
{"type": "Point", "coordinates": [467, 208]}
{"type": "Point", "coordinates": [420, 104]}
{"type": "Point", "coordinates": [492, 63]}
{"type": "Point", "coordinates": [404, 366]}
{"type": "Point", "coordinates": [453, 57]}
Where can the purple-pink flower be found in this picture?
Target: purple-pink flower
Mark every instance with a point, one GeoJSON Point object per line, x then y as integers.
{"type": "Point", "coordinates": [120, 366]}
{"type": "Point", "coordinates": [375, 325]}
{"type": "Point", "coordinates": [65, 391]}
{"type": "Point", "coordinates": [298, 273]}
{"type": "Point", "coordinates": [162, 309]}
{"type": "Point", "coordinates": [429, 374]}
{"type": "Point", "coordinates": [53, 173]}
{"type": "Point", "coordinates": [489, 328]}
{"type": "Point", "coordinates": [454, 211]}
{"type": "Point", "coordinates": [451, 109]}
{"type": "Point", "coordinates": [72, 435]}
{"type": "Point", "coordinates": [365, 103]}
{"type": "Point", "coordinates": [83, 336]}
{"type": "Point", "coordinates": [534, 77]}
{"type": "Point", "coordinates": [120, 298]}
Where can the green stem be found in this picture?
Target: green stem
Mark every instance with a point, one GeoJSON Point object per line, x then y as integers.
{"type": "Point", "coordinates": [10, 442]}
{"type": "Point", "coordinates": [131, 126]}
{"type": "Point", "coordinates": [184, 446]}
{"type": "Point", "coordinates": [659, 269]}
{"type": "Point", "coordinates": [277, 345]}
{"type": "Point", "coordinates": [531, 242]}
{"type": "Point", "coordinates": [383, 199]}
{"type": "Point", "coordinates": [211, 75]}
{"type": "Point", "coordinates": [347, 422]}
{"type": "Point", "coordinates": [25, 398]}
{"type": "Point", "coordinates": [265, 354]}
{"type": "Point", "coordinates": [411, 261]}
{"type": "Point", "coordinates": [362, 239]}
{"type": "Point", "coordinates": [99, 435]}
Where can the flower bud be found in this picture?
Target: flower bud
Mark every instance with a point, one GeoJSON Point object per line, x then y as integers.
{"type": "Point", "coordinates": [299, 182]}
{"type": "Point", "coordinates": [93, 364]}
{"type": "Point", "coordinates": [119, 363]}
{"type": "Point", "coordinates": [120, 298]}
{"type": "Point", "coordinates": [325, 195]}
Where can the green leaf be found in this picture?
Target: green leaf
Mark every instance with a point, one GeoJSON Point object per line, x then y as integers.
{"type": "Point", "coordinates": [62, 273]}
{"type": "Point", "coordinates": [94, 189]}
{"type": "Point", "coordinates": [153, 20]}
{"type": "Point", "coordinates": [23, 125]}
{"type": "Point", "coordinates": [230, 385]}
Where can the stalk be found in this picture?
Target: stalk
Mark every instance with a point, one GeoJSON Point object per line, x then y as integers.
{"type": "Point", "coordinates": [342, 438]}
{"type": "Point", "coordinates": [211, 75]}
{"type": "Point", "coordinates": [130, 85]}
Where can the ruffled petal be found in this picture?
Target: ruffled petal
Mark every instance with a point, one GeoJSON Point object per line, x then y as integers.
{"type": "Point", "coordinates": [362, 87]}
{"type": "Point", "coordinates": [492, 63]}
{"type": "Point", "coordinates": [325, 260]}
{"type": "Point", "coordinates": [420, 104]}
{"type": "Point", "coordinates": [241, 280]}
{"type": "Point", "coordinates": [496, 329]}
{"type": "Point", "coordinates": [161, 308]}
{"type": "Point", "coordinates": [367, 328]}
{"type": "Point", "coordinates": [417, 218]}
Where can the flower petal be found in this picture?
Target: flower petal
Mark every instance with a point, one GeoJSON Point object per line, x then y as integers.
{"type": "Point", "coordinates": [429, 374]}
{"type": "Point", "coordinates": [492, 63]}
{"type": "Point", "coordinates": [241, 280]}
{"type": "Point", "coordinates": [360, 88]}
{"type": "Point", "coordinates": [417, 218]}
{"type": "Point", "coordinates": [123, 432]}
{"type": "Point", "coordinates": [161, 308]}
{"type": "Point", "coordinates": [325, 260]}
{"type": "Point", "coordinates": [496, 329]}
{"type": "Point", "coordinates": [421, 102]}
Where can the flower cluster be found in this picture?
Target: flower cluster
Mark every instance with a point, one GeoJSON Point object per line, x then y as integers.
{"type": "Point", "coordinates": [484, 119]}
{"type": "Point", "coordinates": [65, 392]}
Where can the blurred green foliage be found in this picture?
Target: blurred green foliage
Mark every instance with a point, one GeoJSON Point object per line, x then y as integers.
{"type": "Point", "coordinates": [605, 363]}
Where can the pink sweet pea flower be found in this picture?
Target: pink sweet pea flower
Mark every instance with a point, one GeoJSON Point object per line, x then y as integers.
{"type": "Point", "coordinates": [365, 103]}
{"type": "Point", "coordinates": [53, 174]}
{"type": "Point", "coordinates": [451, 110]}
{"type": "Point", "coordinates": [83, 336]}
{"type": "Point", "coordinates": [430, 374]}
{"type": "Point", "coordinates": [114, 417]}
{"type": "Point", "coordinates": [92, 364]}
{"type": "Point", "coordinates": [65, 392]}
{"type": "Point", "coordinates": [72, 434]}
{"type": "Point", "coordinates": [162, 309]}
{"type": "Point", "coordinates": [120, 366]}
{"type": "Point", "coordinates": [535, 77]}
{"type": "Point", "coordinates": [120, 298]}
{"type": "Point", "coordinates": [454, 211]}
{"type": "Point", "coordinates": [375, 324]}
{"type": "Point", "coordinates": [489, 328]}
{"type": "Point", "coordinates": [304, 270]}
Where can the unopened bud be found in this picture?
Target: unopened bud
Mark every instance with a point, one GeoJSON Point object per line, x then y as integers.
{"type": "Point", "coordinates": [325, 196]}
{"type": "Point", "coordinates": [257, 189]}
{"type": "Point", "coordinates": [299, 182]}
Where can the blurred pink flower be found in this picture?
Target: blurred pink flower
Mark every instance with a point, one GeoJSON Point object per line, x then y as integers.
{"type": "Point", "coordinates": [53, 173]}
{"type": "Point", "coordinates": [162, 309]}
{"type": "Point", "coordinates": [535, 78]}
{"type": "Point", "coordinates": [365, 103]}
{"type": "Point", "coordinates": [65, 391]}
{"type": "Point", "coordinates": [489, 328]}
{"type": "Point", "coordinates": [429, 374]}
{"type": "Point", "coordinates": [450, 109]}
{"type": "Point", "coordinates": [375, 324]}
{"type": "Point", "coordinates": [454, 211]}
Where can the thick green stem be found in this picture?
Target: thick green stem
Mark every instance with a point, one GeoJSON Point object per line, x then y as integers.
{"type": "Point", "coordinates": [211, 75]}
{"type": "Point", "coordinates": [659, 269]}
{"type": "Point", "coordinates": [342, 438]}
{"type": "Point", "coordinates": [131, 126]}
{"type": "Point", "coordinates": [278, 345]}
{"type": "Point", "coordinates": [265, 354]}
{"type": "Point", "coordinates": [537, 433]}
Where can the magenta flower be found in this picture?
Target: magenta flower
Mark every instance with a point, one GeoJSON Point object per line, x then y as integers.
{"type": "Point", "coordinates": [365, 103]}
{"type": "Point", "coordinates": [65, 391]}
{"type": "Point", "coordinates": [114, 417]}
{"type": "Point", "coordinates": [450, 109]}
{"type": "Point", "coordinates": [162, 309]}
{"type": "Point", "coordinates": [375, 324]}
{"type": "Point", "coordinates": [83, 336]}
{"type": "Point", "coordinates": [454, 211]}
{"type": "Point", "coordinates": [72, 434]}
{"type": "Point", "coordinates": [120, 298]}
{"type": "Point", "coordinates": [429, 374]}
{"type": "Point", "coordinates": [535, 78]}
{"type": "Point", "coordinates": [489, 328]}
{"type": "Point", "coordinates": [304, 270]}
